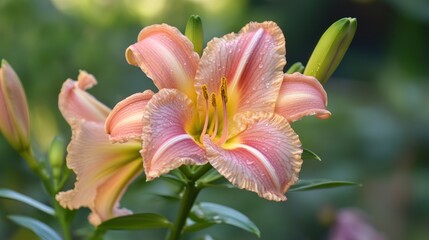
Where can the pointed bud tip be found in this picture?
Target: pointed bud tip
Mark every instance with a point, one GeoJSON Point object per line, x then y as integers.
{"type": "Point", "coordinates": [330, 49]}
{"type": "Point", "coordinates": [14, 120]}
{"type": "Point", "coordinates": [194, 32]}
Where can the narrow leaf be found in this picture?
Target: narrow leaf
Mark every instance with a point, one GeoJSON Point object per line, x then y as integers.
{"type": "Point", "coordinates": [206, 213]}
{"type": "Point", "coordinates": [309, 155]}
{"type": "Point", "coordinates": [40, 229]}
{"type": "Point", "coordinates": [135, 222]}
{"type": "Point", "coordinates": [314, 184]}
{"type": "Point", "coordinates": [211, 176]}
{"type": "Point", "coordinates": [10, 194]}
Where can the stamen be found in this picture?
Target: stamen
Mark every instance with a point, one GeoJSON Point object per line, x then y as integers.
{"type": "Point", "coordinates": [214, 133]}
{"type": "Point", "coordinates": [224, 95]}
{"type": "Point", "coordinates": [206, 121]}
{"type": "Point", "coordinates": [223, 89]}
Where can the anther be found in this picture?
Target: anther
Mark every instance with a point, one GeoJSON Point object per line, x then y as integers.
{"type": "Point", "coordinates": [223, 90]}
{"type": "Point", "coordinates": [224, 94]}
{"type": "Point", "coordinates": [206, 120]}
{"type": "Point", "coordinates": [216, 123]}
{"type": "Point", "coordinates": [205, 91]}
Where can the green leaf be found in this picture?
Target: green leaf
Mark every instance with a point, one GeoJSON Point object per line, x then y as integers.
{"type": "Point", "coordinates": [303, 185]}
{"type": "Point", "coordinates": [40, 229]}
{"type": "Point", "coordinates": [135, 222]}
{"type": "Point", "coordinates": [10, 194]}
{"type": "Point", "coordinates": [309, 155]}
{"type": "Point", "coordinates": [206, 214]}
{"type": "Point", "coordinates": [210, 177]}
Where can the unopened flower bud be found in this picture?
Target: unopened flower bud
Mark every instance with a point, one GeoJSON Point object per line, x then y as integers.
{"type": "Point", "coordinates": [14, 115]}
{"type": "Point", "coordinates": [330, 49]}
{"type": "Point", "coordinates": [296, 67]}
{"type": "Point", "coordinates": [194, 31]}
{"type": "Point", "coordinates": [56, 157]}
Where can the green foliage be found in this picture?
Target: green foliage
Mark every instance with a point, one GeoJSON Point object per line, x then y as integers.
{"type": "Point", "coordinates": [10, 194]}
{"type": "Point", "coordinates": [315, 184]}
{"type": "Point", "coordinates": [206, 214]}
{"type": "Point", "coordinates": [39, 228]}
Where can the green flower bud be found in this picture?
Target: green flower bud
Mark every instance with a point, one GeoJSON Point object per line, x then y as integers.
{"type": "Point", "coordinates": [330, 49]}
{"type": "Point", "coordinates": [194, 31]}
{"type": "Point", "coordinates": [14, 114]}
{"type": "Point", "coordinates": [56, 157]}
{"type": "Point", "coordinates": [296, 67]}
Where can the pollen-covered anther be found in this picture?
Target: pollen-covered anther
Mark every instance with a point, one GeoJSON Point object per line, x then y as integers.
{"type": "Point", "coordinates": [223, 90]}
{"type": "Point", "coordinates": [206, 120]}
{"type": "Point", "coordinates": [224, 95]}
{"type": "Point", "coordinates": [216, 118]}
{"type": "Point", "coordinates": [205, 92]}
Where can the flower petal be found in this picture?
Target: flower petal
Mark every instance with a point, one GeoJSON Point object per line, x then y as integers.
{"type": "Point", "coordinates": [103, 171]}
{"type": "Point", "coordinates": [166, 143]}
{"type": "Point", "coordinates": [252, 62]}
{"type": "Point", "coordinates": [76, 104]}
{"type": "Point", "coordinates": [264, 157]}
{"type": "Point", "coordinates": [125, 120]}
{"type": "Point", "coordinates": [166, 56]}
{"type": "Point", "coordinates": [301, 96]}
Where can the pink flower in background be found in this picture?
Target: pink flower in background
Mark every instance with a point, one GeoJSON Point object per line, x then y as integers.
{"type": "Point", "coordinates": [352, 224]}
{"type": "Point", "coordinates": [103, 170]}
{"type": "Point", "coordinates": [231, 108]}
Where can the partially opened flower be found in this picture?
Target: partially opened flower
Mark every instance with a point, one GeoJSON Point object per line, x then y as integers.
{"type": "Point", "coordinates": [103, 171]}
{"type": "Point", "coordinates": [230, 108]}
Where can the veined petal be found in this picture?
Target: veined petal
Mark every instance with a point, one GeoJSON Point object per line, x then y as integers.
{"type": "Point", "coordinates": [103, 171]}
{"type": "Point", "coordinates": [263, 157]}
{"type": "Point", "coordinates": [300, 96]}
{"type": "Point", "coordinates": [166, 144]}
{"type": "Point", "coordinates": [76, 104]}
{"type": "Point", "coordinates": [125, 120]}
{"type": "Point", "coordinates": [166, 56]}
{"type": "Point", "coordinates": [252, 61]}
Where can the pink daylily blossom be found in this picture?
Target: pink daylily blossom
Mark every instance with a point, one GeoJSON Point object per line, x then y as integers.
{"type": "Point", "coordinates": [103, 170]}
{"type": "Point", "coordinates": [231, 108]}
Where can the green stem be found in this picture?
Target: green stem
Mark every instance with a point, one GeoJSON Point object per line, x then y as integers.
{"type": "Point", "coordinates": [190, 193]}
{"type": "Point", "coordinates": [60, 212]}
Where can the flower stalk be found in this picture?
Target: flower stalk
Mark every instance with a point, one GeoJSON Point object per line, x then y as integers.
{"type": "Point", "coordinates": [189, 194]}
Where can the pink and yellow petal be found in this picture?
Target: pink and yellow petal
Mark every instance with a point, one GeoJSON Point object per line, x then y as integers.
{"type": "Point", "coordinates": [166, 143]}
{"type": "Point", "coordinates": [166, 56]}
{"type": "Point", "coordinates": [252, 61]}
{"type": "Point", "coordinates": [99, 165]}
{"type": "Point", "coordinates": [300, 96]}
{"type": "Point", "coordinates": [76, 104]}
{"type": "Point", "coordinates": [263, 157]}
{"type": "Point", "coordinates": [125, 121]}
{"type": "Point", "coordinates": [114, 187]}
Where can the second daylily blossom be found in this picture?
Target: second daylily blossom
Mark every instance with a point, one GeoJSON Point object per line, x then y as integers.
{"type": "Point", "coordinates": [231, 108]}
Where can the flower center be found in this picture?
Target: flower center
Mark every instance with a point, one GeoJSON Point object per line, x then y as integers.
{"type": "Point", "coordinates": [212, 116]}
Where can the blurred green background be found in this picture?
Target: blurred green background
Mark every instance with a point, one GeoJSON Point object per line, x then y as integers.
{"type": "Point", "coordinates": [378, 134]}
